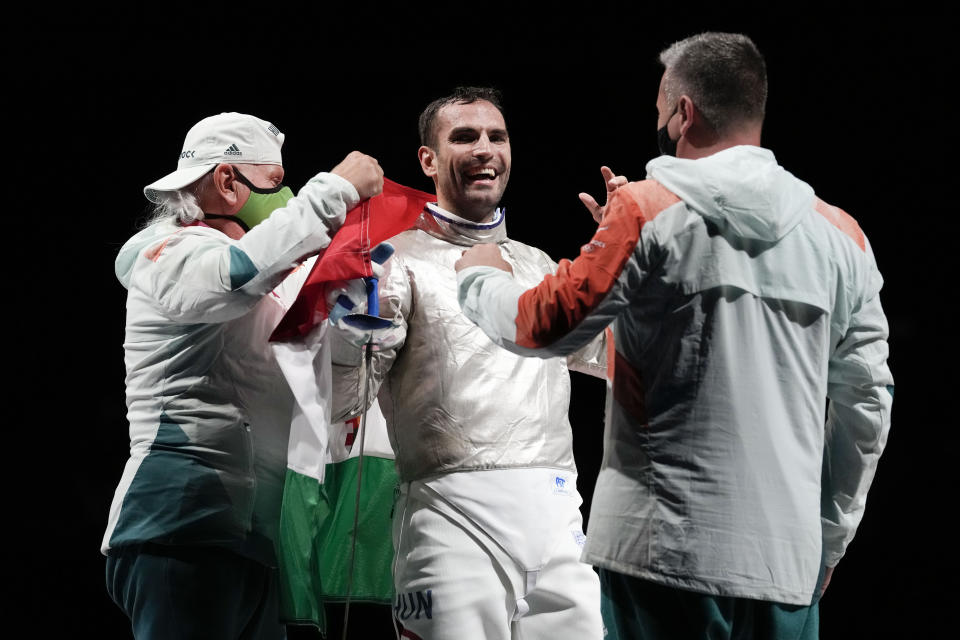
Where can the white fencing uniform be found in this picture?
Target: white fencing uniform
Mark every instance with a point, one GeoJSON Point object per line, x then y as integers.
{"type": "Point", "coordinates": [486, 544]}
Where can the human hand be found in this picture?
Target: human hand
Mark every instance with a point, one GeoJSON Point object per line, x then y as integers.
{"type": "Point", "coordinates": [346, 296]}
{"type": "Point", "coordinates": [612, 183]}
{"type": "Point", "coordinates": [350, 296]}
{"type": "Point", "coordinates": [482, 255]}
{"type": "Point", "coordinates": [387, 337]}
{"type": "Point", "coordinates": [363, 172]}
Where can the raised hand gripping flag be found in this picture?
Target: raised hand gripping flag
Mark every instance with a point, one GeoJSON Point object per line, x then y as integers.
{"type": "Point", "coordinates": [348, 255]}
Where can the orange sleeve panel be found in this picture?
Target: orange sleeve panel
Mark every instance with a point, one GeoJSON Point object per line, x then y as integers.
{"type": "Point", "coordinates": [560, 302]}
{"type": "Point", "coordinates": [841, 220]}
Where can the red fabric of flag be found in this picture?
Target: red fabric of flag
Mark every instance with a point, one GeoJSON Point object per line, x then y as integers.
{"type": "Point", "coordinates": [348, 255]}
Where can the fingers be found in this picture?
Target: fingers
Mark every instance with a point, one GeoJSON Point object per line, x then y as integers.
{"type": "Point", "coordinates": [611, 180]}
{"type": "Point", "coordinates": [485, 255]}
{"type": "Point", "coordinates": [592, 206]}
{"type": "Point", "coordinates": [363, 172]}
{"type": "Point", "coordinates": [344, 297]}
{"type": "Point", "coordinates": [607, 174]}
{"type": "Point", "coordinates": [378, 256]}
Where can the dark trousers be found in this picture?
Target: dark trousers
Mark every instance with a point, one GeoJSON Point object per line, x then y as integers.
{"type": "Point", "coordinates": [636, 609]}
{"type": "Point", "coordinates": [205, 593]}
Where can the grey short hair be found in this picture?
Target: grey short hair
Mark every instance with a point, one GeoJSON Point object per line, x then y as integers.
{"type": "Point", "coordinates": [180, 206]}
{"type": "Point", "coordinates": [723, 73]}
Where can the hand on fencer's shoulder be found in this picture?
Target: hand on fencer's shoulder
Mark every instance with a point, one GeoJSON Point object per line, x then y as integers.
{"type": "Point", "coordinates": [363, 172]}
{"type": "Point", "coordinates": [612, 182]}
{"type": "Point", "coordinates": [482, 255]}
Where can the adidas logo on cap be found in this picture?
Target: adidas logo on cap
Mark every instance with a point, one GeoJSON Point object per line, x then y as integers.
{"type": "Point", "coordinates": [225, 137]}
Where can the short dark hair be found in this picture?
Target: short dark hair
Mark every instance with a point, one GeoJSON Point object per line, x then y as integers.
{"type": "Point", "coordinates": [460, 95]}
{"type": "Point", "coordinates": [723, 73]}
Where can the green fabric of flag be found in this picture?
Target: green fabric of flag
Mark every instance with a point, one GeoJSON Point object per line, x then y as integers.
{"type": "Point", "coordinates": [316, 525]}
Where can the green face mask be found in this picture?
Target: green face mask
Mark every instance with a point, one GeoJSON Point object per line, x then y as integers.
{"type": "Point", "coordinates": [261, 203]}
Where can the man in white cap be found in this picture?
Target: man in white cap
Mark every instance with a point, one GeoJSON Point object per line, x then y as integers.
{"type": "Point", "coordinates": [189, 542]}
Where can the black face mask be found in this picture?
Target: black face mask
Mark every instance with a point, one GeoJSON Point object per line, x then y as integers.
{"type": "Point", "coordinates": [667, 146]}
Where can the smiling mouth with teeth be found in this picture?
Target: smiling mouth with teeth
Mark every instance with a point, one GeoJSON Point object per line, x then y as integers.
{"type": "Point", "coordinates": [487, 173]}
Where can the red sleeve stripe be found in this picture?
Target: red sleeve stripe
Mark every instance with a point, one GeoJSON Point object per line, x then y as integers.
{"type": "Point", "coordinates": [560, 302]}
{"type": "Point", "coordinates": [843, 221]}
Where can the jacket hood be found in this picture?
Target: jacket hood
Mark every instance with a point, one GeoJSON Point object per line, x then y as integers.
{"type": "Point", "coordinates": [742, 189]}
{"type": "Point", "coordinates": [127, 258]}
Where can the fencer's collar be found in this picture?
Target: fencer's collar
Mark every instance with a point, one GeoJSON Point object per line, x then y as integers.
{"type": "Point", "coordinates": [442, 224]}
{"type": "Point", "coordinates": [453, 218]}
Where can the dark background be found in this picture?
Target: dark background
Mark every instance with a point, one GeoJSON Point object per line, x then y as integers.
{"type": "Point", "coordinates": [858, 107]}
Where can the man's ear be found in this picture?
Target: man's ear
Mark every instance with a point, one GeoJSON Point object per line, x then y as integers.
{"type": "Point", "coordinates": [225, 184]}
{"type": "Point", "coordinates": [687, 111]}
{"type": "Point", "coordinates": [428, 160]}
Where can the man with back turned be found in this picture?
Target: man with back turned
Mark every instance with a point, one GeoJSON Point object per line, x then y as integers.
{"type": "Point", "coordinates": [740, 301]}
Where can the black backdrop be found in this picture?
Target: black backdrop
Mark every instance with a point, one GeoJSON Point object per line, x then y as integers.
{"type": "Point", "coordinates": [857, 107]}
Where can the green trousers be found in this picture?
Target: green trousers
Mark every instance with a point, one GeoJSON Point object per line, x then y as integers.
{"type": "Point", "coordinates": [635, 609]}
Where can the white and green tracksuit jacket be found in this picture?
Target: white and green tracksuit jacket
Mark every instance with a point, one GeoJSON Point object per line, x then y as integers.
{"type": "Point", "coordinates": [740, 303]}
{"type": "Point", "coordinates": [208, 407]}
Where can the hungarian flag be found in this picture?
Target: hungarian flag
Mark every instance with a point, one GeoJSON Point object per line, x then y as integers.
{"type": "Point", "coordinates": [316, 523]}
{"type": "Point", "coordinates": [348, 255]}
{"type": "Point", "coordinates": [316, 526]}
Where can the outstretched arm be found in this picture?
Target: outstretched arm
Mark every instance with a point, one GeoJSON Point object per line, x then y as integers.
{"type": "Point", "coordinates": [567, 308]}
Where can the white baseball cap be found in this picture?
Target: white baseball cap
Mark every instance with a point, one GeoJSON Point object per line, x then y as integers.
{"type": "Point", "coordinates": [227, 137]}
